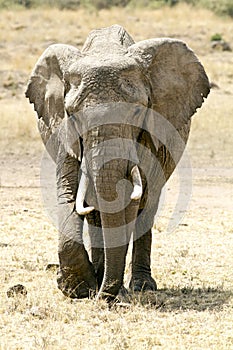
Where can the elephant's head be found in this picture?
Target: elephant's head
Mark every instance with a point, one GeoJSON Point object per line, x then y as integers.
{"type": "Point", "coordinates": [84, 89]}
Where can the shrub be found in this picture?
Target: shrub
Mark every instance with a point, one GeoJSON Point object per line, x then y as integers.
{"type": "Point", "coordinates": [101, 4]}
{"type": "Point", "coordinates": [221, 7]}
{"type": "Point", "coordinates": [216, 37]}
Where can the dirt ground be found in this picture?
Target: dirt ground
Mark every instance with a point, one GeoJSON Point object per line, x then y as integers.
{"type": "Point", "coordinates": [192, 264]}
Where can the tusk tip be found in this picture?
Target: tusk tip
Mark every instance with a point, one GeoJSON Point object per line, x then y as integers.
{"type": "Point", "coordinates": [84, 211]}
{"type": "Point", "coordinates": [137, 193]}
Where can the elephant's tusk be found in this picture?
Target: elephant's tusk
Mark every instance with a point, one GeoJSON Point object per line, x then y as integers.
{"type": "Point", "coordinates": [137, 183]}
{"type": "Point", "coordinates": [82, 189]}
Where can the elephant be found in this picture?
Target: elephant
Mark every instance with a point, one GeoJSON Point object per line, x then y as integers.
{"type": "Point", "coordinates": [115, 118]}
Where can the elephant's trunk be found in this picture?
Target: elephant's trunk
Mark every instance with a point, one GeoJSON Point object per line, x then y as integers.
{"type": "Point", "coordinates": [82, 189]}
{"type": "Point", "coordinates": [113, 272]}
{"type": "Point", "coordinates": [118, 225]}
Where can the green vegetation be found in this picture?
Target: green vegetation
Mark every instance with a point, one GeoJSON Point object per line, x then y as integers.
{"type": "Point", "coordinates": [216, 37]}
{"type": "Point", "coordinates": [221, 7]}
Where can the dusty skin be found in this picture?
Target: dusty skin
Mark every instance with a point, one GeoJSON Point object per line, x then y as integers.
{"type": "Point", "coordinates": [192, 265]}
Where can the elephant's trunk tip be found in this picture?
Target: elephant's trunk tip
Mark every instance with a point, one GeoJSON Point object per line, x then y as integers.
{"type": "Point", "coordinates": [137, 184]}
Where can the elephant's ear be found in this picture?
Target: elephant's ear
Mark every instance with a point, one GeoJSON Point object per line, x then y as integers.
{"type": "Point", "coordinates": [47, 88]}
{"type": "Point", "coordinates": [178, 80]}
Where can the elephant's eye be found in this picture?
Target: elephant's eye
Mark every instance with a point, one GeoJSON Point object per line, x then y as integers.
{"type": "Point", "coordinates": [75, 79]}
{"type": "Point", "coordinates": [127, 85]}
{"type": "Point", "coordinates": [133, 88]}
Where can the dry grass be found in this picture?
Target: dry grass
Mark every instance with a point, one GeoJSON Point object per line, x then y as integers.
{"type": "Point", "coordinates": [193, 266]}
{"type": "Point", "coordinates": [17, 120]}
{"type": "Point", "coordinates": [25, 34]}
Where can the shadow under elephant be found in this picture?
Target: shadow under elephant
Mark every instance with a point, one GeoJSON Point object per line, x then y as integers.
{"type": "Point", "coordinates": [183, 299]}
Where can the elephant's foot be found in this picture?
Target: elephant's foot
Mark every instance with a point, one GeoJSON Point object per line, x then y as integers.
{"type": "Point", "coordinates": [76, 278]}
{"type": "Point", "coordinates": [73, 287]}
{"type": "Point", "coordinates": [142, 283]}
{"type": "Point", "coordinates": [123, 296]}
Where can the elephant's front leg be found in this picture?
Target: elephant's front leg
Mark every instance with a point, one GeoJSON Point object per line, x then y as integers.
{"type": "Point", "coordinates": [76, 277]}
{"type": "Point", "coordinates": [141, 279]}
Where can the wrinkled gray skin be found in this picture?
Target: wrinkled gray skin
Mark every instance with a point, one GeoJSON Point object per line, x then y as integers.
{"type": "Point", "coordinates": [71, 89]}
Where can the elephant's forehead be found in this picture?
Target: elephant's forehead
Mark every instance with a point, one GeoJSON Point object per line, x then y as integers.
{"type": "Point", "coordinates": [109, 63]}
